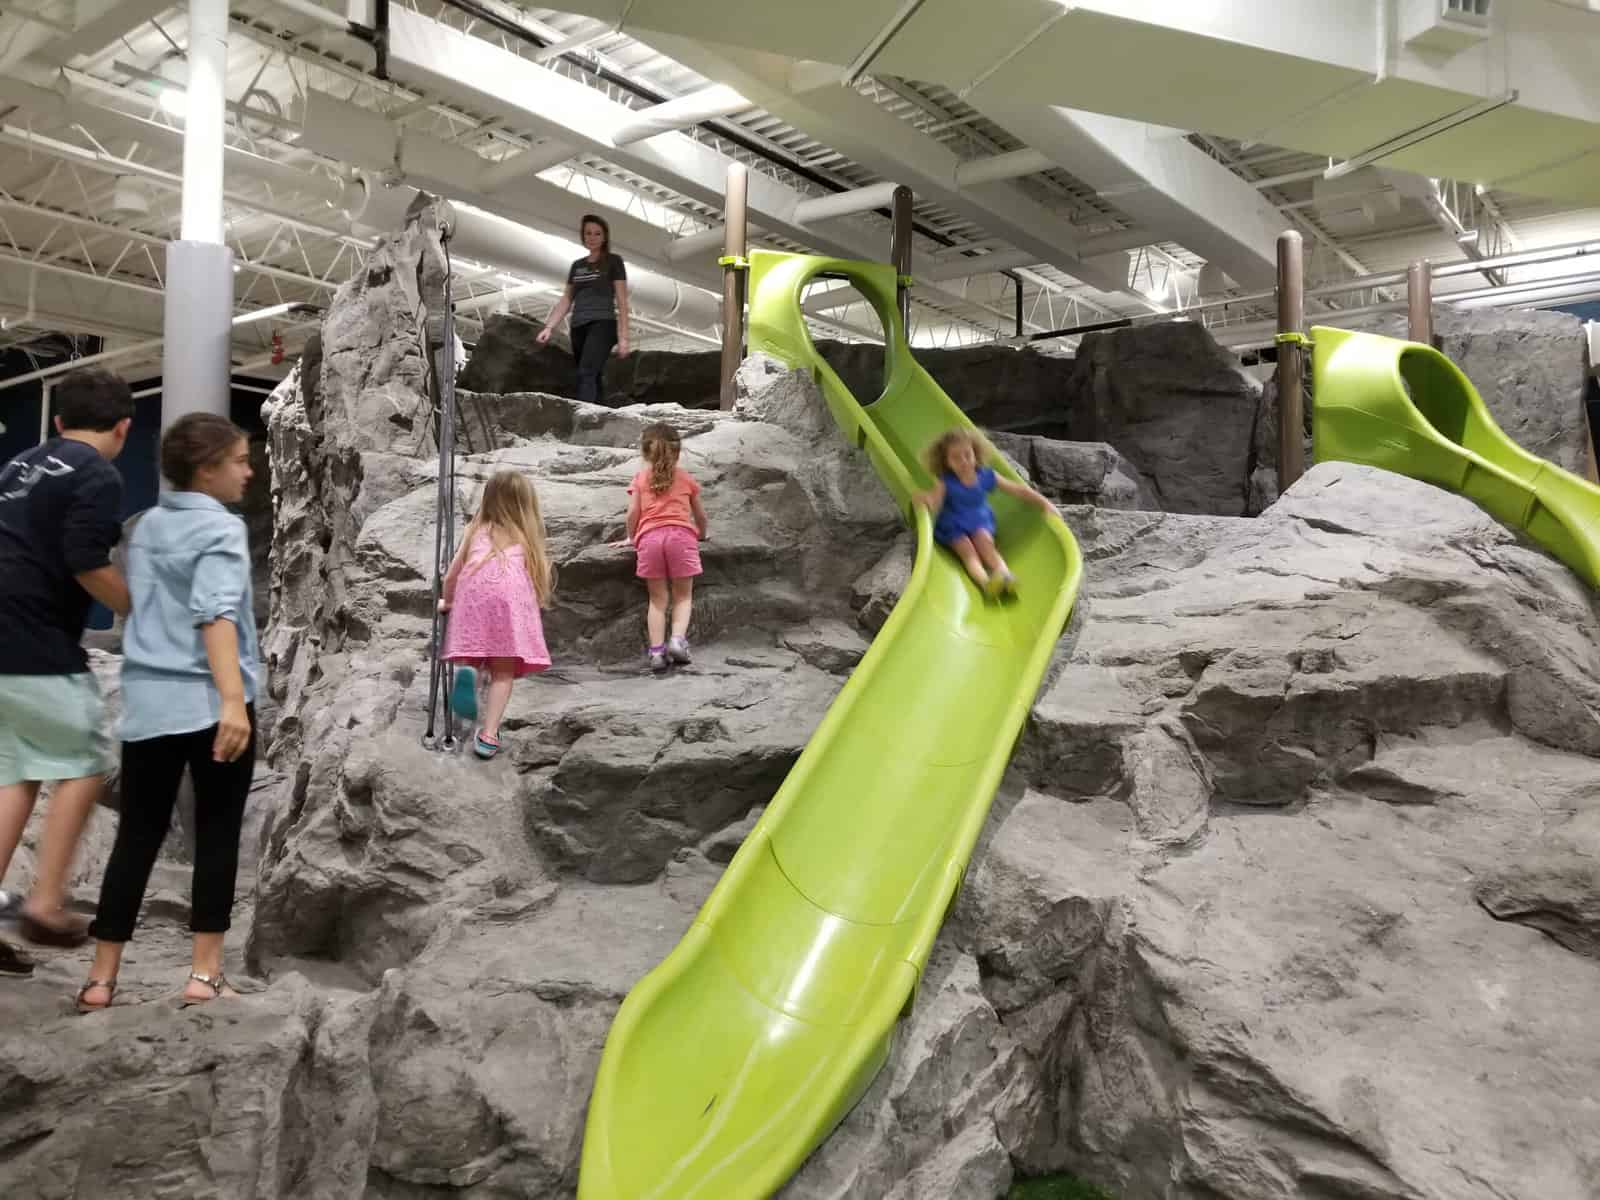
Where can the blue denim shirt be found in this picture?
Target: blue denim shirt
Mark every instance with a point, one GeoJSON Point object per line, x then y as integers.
{"type": "Point", "coordinates": [188, 565]}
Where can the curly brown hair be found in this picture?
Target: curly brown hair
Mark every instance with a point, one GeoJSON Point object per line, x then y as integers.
{"type": "Point", "coordinates": [937, 456]}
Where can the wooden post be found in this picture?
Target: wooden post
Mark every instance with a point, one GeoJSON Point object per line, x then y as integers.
{"type": "Point", "coordinates": [735, 242]}
{"type": "Point", "coordinates": [1291, 360]}
{"type": "Point", "coordinates": [1419, 301]}
{"type": "Point", "coordinates": [900, 253]}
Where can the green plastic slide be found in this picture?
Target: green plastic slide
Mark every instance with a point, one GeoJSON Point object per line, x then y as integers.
{"type": "Point", "coordinates": [1407, 408]}
{"type": "Point", "coordinates": [732, 1060]}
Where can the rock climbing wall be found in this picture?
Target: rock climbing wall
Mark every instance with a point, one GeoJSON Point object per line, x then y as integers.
{"type": "Point", "coordinates": [1290, 891]}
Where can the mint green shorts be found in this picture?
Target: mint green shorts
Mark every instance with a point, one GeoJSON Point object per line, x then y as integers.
{"type": "Point", "coordinates": [51, 727]}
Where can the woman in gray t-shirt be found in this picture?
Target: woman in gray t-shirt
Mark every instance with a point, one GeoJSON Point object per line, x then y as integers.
{"type": "Point", "coordinates": [597, 297]}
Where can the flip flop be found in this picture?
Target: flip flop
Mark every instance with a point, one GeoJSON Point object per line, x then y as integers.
{"type": "Point", "coordinates": [464, 694]}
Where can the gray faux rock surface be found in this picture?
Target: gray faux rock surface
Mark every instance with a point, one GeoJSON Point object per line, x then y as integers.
{"type": "Point", "coordinates": [1289, 892]}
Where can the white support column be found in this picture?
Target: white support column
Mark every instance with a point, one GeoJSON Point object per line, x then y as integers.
{"type": "Point", "coordinates": [198, 314]}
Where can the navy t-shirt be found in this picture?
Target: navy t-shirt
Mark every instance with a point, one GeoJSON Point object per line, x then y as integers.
{"type": "Point", "coordinates": [593, 284]}
{"type": "Point", "coordinates": [60, 515]}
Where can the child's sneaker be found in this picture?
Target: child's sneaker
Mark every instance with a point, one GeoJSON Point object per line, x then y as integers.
{"type": "Point", "coordinates": [995, 586]}
{"type": "Point", "coordinates": [464, 694]}
{"type": "Point", "coordinates": [678, 651]}
{"type": "Point", "coordinates": [484, 746]}
{"type": "Point", "coordinates": [1008, 583]}
{"type": "Point", "coordinates": [658, 659]}
{"type": "Point", "coordinates": [10, 906]}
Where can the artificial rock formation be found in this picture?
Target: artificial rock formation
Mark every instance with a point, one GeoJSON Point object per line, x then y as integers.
{"type": "Point", "coordinates": [998, 387]}
{"type": "Point", "coordinates": [1289, 891]}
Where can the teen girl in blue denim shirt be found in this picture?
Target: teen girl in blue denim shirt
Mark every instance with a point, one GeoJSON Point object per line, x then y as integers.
{"type": "Point", "coordinates": [189, 676]}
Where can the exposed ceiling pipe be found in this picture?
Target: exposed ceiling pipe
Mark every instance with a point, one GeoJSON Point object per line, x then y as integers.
{"type": "Point", "coordinates": [695, 244]}
{"type": "Point", "coordinates": [997, 167]}
{"type": "Point", "coordinates": [841, 204]}
{"type": "Point", "coordinates": [707, 104]}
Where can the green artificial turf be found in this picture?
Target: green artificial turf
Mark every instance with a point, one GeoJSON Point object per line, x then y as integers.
{"type": "Point", "coordinates": [1057, 1187]}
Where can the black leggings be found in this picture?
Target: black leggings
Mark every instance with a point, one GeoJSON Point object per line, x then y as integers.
{"type": "Point", "coordinates": [592, 343]}
{"type": "Point", "coordinates": [151, 772]}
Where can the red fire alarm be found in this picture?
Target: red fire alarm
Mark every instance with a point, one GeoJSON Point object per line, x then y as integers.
{"type": "Point", "coordinates": [277, 348]}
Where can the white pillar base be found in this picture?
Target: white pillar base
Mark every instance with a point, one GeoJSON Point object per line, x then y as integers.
{"type": "Point", "coordinates": [196, 359]}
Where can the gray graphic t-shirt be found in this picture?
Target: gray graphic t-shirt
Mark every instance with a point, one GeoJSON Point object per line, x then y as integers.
{"type": "Point", "coordinates": [593, 287]}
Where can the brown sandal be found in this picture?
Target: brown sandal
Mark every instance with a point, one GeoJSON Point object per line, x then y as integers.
{"type": "Point", "coordinates": [110, 986]}
{"type": "Point", "coordinates": [215, 982]}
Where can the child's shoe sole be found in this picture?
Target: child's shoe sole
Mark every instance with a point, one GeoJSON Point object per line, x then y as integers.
{"type": "Point", "coordinates": [678, 653]}
{"type": "Point", "coordinates": [464, 694]}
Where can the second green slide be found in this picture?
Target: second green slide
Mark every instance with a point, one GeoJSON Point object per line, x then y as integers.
{"type": "Point", "coordinates": [1407, 408]}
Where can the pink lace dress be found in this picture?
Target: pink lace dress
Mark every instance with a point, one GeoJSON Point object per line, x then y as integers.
{"type": "Point", "coordinates": [495, 614]}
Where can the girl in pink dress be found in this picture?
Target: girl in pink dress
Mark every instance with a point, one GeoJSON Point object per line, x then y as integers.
{"type": "Point", "coordinates": [499, 580]}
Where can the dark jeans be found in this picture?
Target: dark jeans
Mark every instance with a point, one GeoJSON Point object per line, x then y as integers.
{"type": "Point", "coordinates": [592, 343]}
{"type": "Point", "coordinates": [151, 772]}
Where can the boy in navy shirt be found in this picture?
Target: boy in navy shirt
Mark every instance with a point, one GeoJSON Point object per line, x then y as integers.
{"type": "Point", "coordinates": [60, 516]}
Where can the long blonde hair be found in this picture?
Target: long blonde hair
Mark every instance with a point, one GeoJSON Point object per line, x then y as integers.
{"type": "Point", "coordinates": [660, 445]}
{"type": "Point", "coordinates": [937, 456]}
{"type": "Point", "coordinates": [510, 505]}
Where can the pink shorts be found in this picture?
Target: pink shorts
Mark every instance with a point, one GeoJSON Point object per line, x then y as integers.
{"type": "Point", "coordinates": [671, 552]}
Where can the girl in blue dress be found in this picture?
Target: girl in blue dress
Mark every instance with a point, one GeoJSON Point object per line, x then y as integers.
{"type": "Point", "coordinates": [960, 498]}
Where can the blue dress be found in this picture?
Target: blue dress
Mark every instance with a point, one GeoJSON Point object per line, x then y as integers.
{"type": "Point", "coordinates": [966, 509]}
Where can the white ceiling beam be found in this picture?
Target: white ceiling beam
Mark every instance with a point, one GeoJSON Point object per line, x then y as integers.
{"type": "Point", "coordinates": [856, 127]}
{"type": "Point", "coordinates": [1156, 177]}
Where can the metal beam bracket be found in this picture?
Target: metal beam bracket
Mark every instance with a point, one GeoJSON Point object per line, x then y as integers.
{"type": "Point", "coordinates": [737, 261]}
{"type": "Point", "coordinates": [1294, 339]}
{"type": "Point", "coordinates": [906, 281]}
